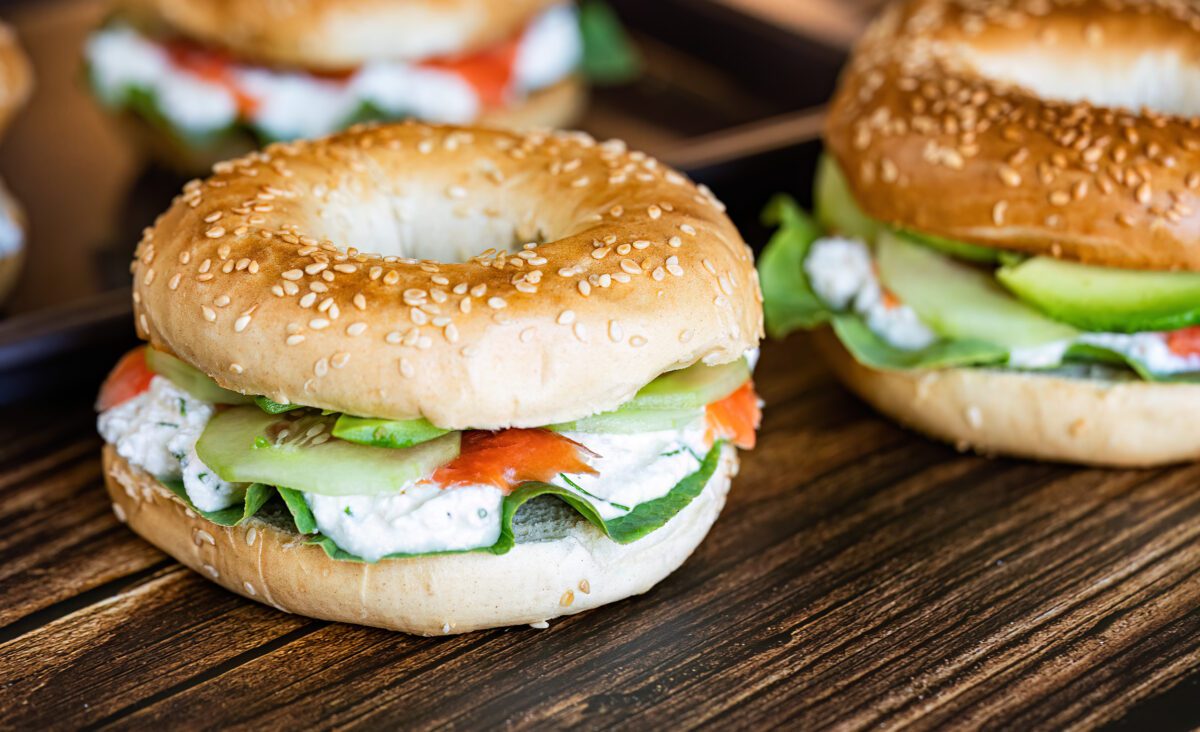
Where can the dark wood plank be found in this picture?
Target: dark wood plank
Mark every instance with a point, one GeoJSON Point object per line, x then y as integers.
{"type": "Point", "coordinates": [61, 538]}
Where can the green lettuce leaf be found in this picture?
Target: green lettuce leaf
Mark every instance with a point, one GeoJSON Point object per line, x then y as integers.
{"type": "Point", "coordinates": [609, 57]}
{"type": "Point", "coordinates": [789, 302]}
{"type": "Point", "coordinates": [1096, 354]}
{"type": "Point", "coordinates": [639, 522]}
{"type": "Point", "coordinates": [872, 351]}
{"type": "Point", "coordinates": [256, 495]}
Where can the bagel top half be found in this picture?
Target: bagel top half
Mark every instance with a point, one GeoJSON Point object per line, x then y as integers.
{"type": "Point", "coordinates": [1010, 124]}
{"type": "Point", "coordinates": [340, 34]}
{"type": "Point", "coordinates": [346, 274]}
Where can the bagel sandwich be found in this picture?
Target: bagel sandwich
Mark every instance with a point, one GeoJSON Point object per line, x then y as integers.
{"type": "Point", "coordinates": [1006, 250]}
{"type": "Point", "coordinates": [435, 379]}
{"type": "Point", "coordinates": [199, 82]}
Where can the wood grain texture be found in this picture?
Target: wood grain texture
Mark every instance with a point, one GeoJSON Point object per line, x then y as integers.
{"type": "Point", "coordinates": [860, 577]}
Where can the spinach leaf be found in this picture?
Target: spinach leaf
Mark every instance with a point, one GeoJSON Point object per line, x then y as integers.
{"type": "Point", "coordinates": [256, 495]}
{"type": "Point", "coordinates": [789, 301]}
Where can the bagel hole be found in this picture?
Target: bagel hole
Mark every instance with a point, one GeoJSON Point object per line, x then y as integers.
{"type": "Point", "coordinates": [1162, 81]}
{"type": "Point", "coordinates": [429, 226]}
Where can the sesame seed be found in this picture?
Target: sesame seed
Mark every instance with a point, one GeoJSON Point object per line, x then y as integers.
{"type": "Point", "coordinates": [240, 324]}
{"type": "Point", "coordinates": [406, 369]}
{"type": "Point", "coordinates": [566, 317]}
{"type": "Point", "coordinates": [318, 323]}
{"type": "Point", "coordinates": [320, 368]}
{"type": "Point", "coordinates": [356, 329]}
{"type": "Point", "coordinates": [308, 300]}
{"type": "Point", "coordinates": [580, 331]}
{"type": "Point", "coordinates": [209, 314]}
{"type": "Point", "coordinates": [496, 303]}
{"type": "Point", "coordinates": [585, 289]}
{"type": "Point", "coordinates": [631, 267]}
{"type": "Point", "coordinates": [340, 359]}
{"type": "Point", "coordinates": [215, 232]}
{"type": "Point", "coordinates": [291, 274]}
{"type": "Point", "coordinates": [294, 339]}
{"type": "Point", "coordinates": [675, 242]}
{"type": "Point", "coordinates": [236, 368]}
{"type": "Point", "coordinates": [688, 229]}
{"type": "Point", "coordinates": [614, 331]}
{"type": "Point", "coordinates": [637, 341]}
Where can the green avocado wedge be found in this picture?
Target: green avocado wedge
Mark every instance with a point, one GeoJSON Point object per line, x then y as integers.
{"type": "Point", "coordinates": [1106, 299]}
{"type": "Point", "coordinates": [641, 521]}
{"type": "Point", "coordinates": [191, 379]}
{"type": "Point", "coordinates": [834, 204]}
{"type": "Point", "coordinates": [246, 445]}
{"type": "Point", "coordinates": [960, 301]}
{"type": "Point", "coordinates": [390, 433]}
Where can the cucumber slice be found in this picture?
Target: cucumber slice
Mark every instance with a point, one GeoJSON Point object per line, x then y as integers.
{"type": "Point", "coordinates": [625, 421]}
{"type": "Point", "coordinates": [836, 209]}
{"type": "Point", "coordinates": [960, 301]}
{"type": "Point", "coordinates": [690, 388]}
{"type": "Point", "coordinates": [191, 379]}
{"type": "Point", "coordinates": [385, 432]}
{"type": "Point", "coordinates": [246, 445]}
{"type": "Point", "coordinates": [1106, 299]}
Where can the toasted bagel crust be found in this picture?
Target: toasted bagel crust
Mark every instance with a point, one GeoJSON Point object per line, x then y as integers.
{"type": "Point", "coordinates": [641, 272]}
{"type": "Point", "coordinates": [341, 34]}
{"type": "Point", "coordinates": [437, 595]}
{"type": "Point", "coordinates": [932, 138]}
{"type": "Point", "coordinates": [1041, 416]}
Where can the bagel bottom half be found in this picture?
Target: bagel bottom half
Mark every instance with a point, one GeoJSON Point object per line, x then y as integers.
{"type": "Point", "coordinates": [557, 106]}
{"type": "Point", "coordinates": [561, 564]}
{"type": "Point", "coordinates": [1053, 417]}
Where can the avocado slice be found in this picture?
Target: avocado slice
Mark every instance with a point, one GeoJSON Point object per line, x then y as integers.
{"type": "Point", "coordinates": [296, 450]}
{"type": "Point", "coordinates": [191, 379]}
{"type": "Point", "coordinates": [960, 301]}
{"type": "Point", "coordinates": [389, 433]}
{"type": "Point", "coordinates": [834, 204]}
{"type": "Point", "coordinates": [1106, 299]}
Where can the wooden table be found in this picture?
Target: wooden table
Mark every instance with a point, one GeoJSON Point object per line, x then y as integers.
{"type": "Point", "coordinates": [859, 577]}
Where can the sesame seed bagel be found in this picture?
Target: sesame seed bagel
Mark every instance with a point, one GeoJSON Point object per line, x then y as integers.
{"type": "Point", "coordinates": [1091, 420]}
{"type": "Point", "coordinates": [340, 34]}
{"type": "Point", "coordinates": [563, 566]}
{"type": "Point", "coordinates": [344, 274]}
{"type": "Point", "coordinates": [16, 76]}
{"type": "Point", "coordinates": [1009, 124]}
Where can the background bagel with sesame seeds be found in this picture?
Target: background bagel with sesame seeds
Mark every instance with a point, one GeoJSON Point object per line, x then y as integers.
{"type": "Point", "coordinates": [335, 34]}
{"type": "Point", "coordinates": [1009, 188]}
{"type": "Point", "coordinates": [329, 346]}
{"type": "Point", "coordinates": [1071, 133]}
{"type": "Point", "coordinates": [194, 81]}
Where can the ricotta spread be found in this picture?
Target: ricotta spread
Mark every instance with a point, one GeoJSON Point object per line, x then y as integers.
{"type": "Point", "coordinates": [157, 431]}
